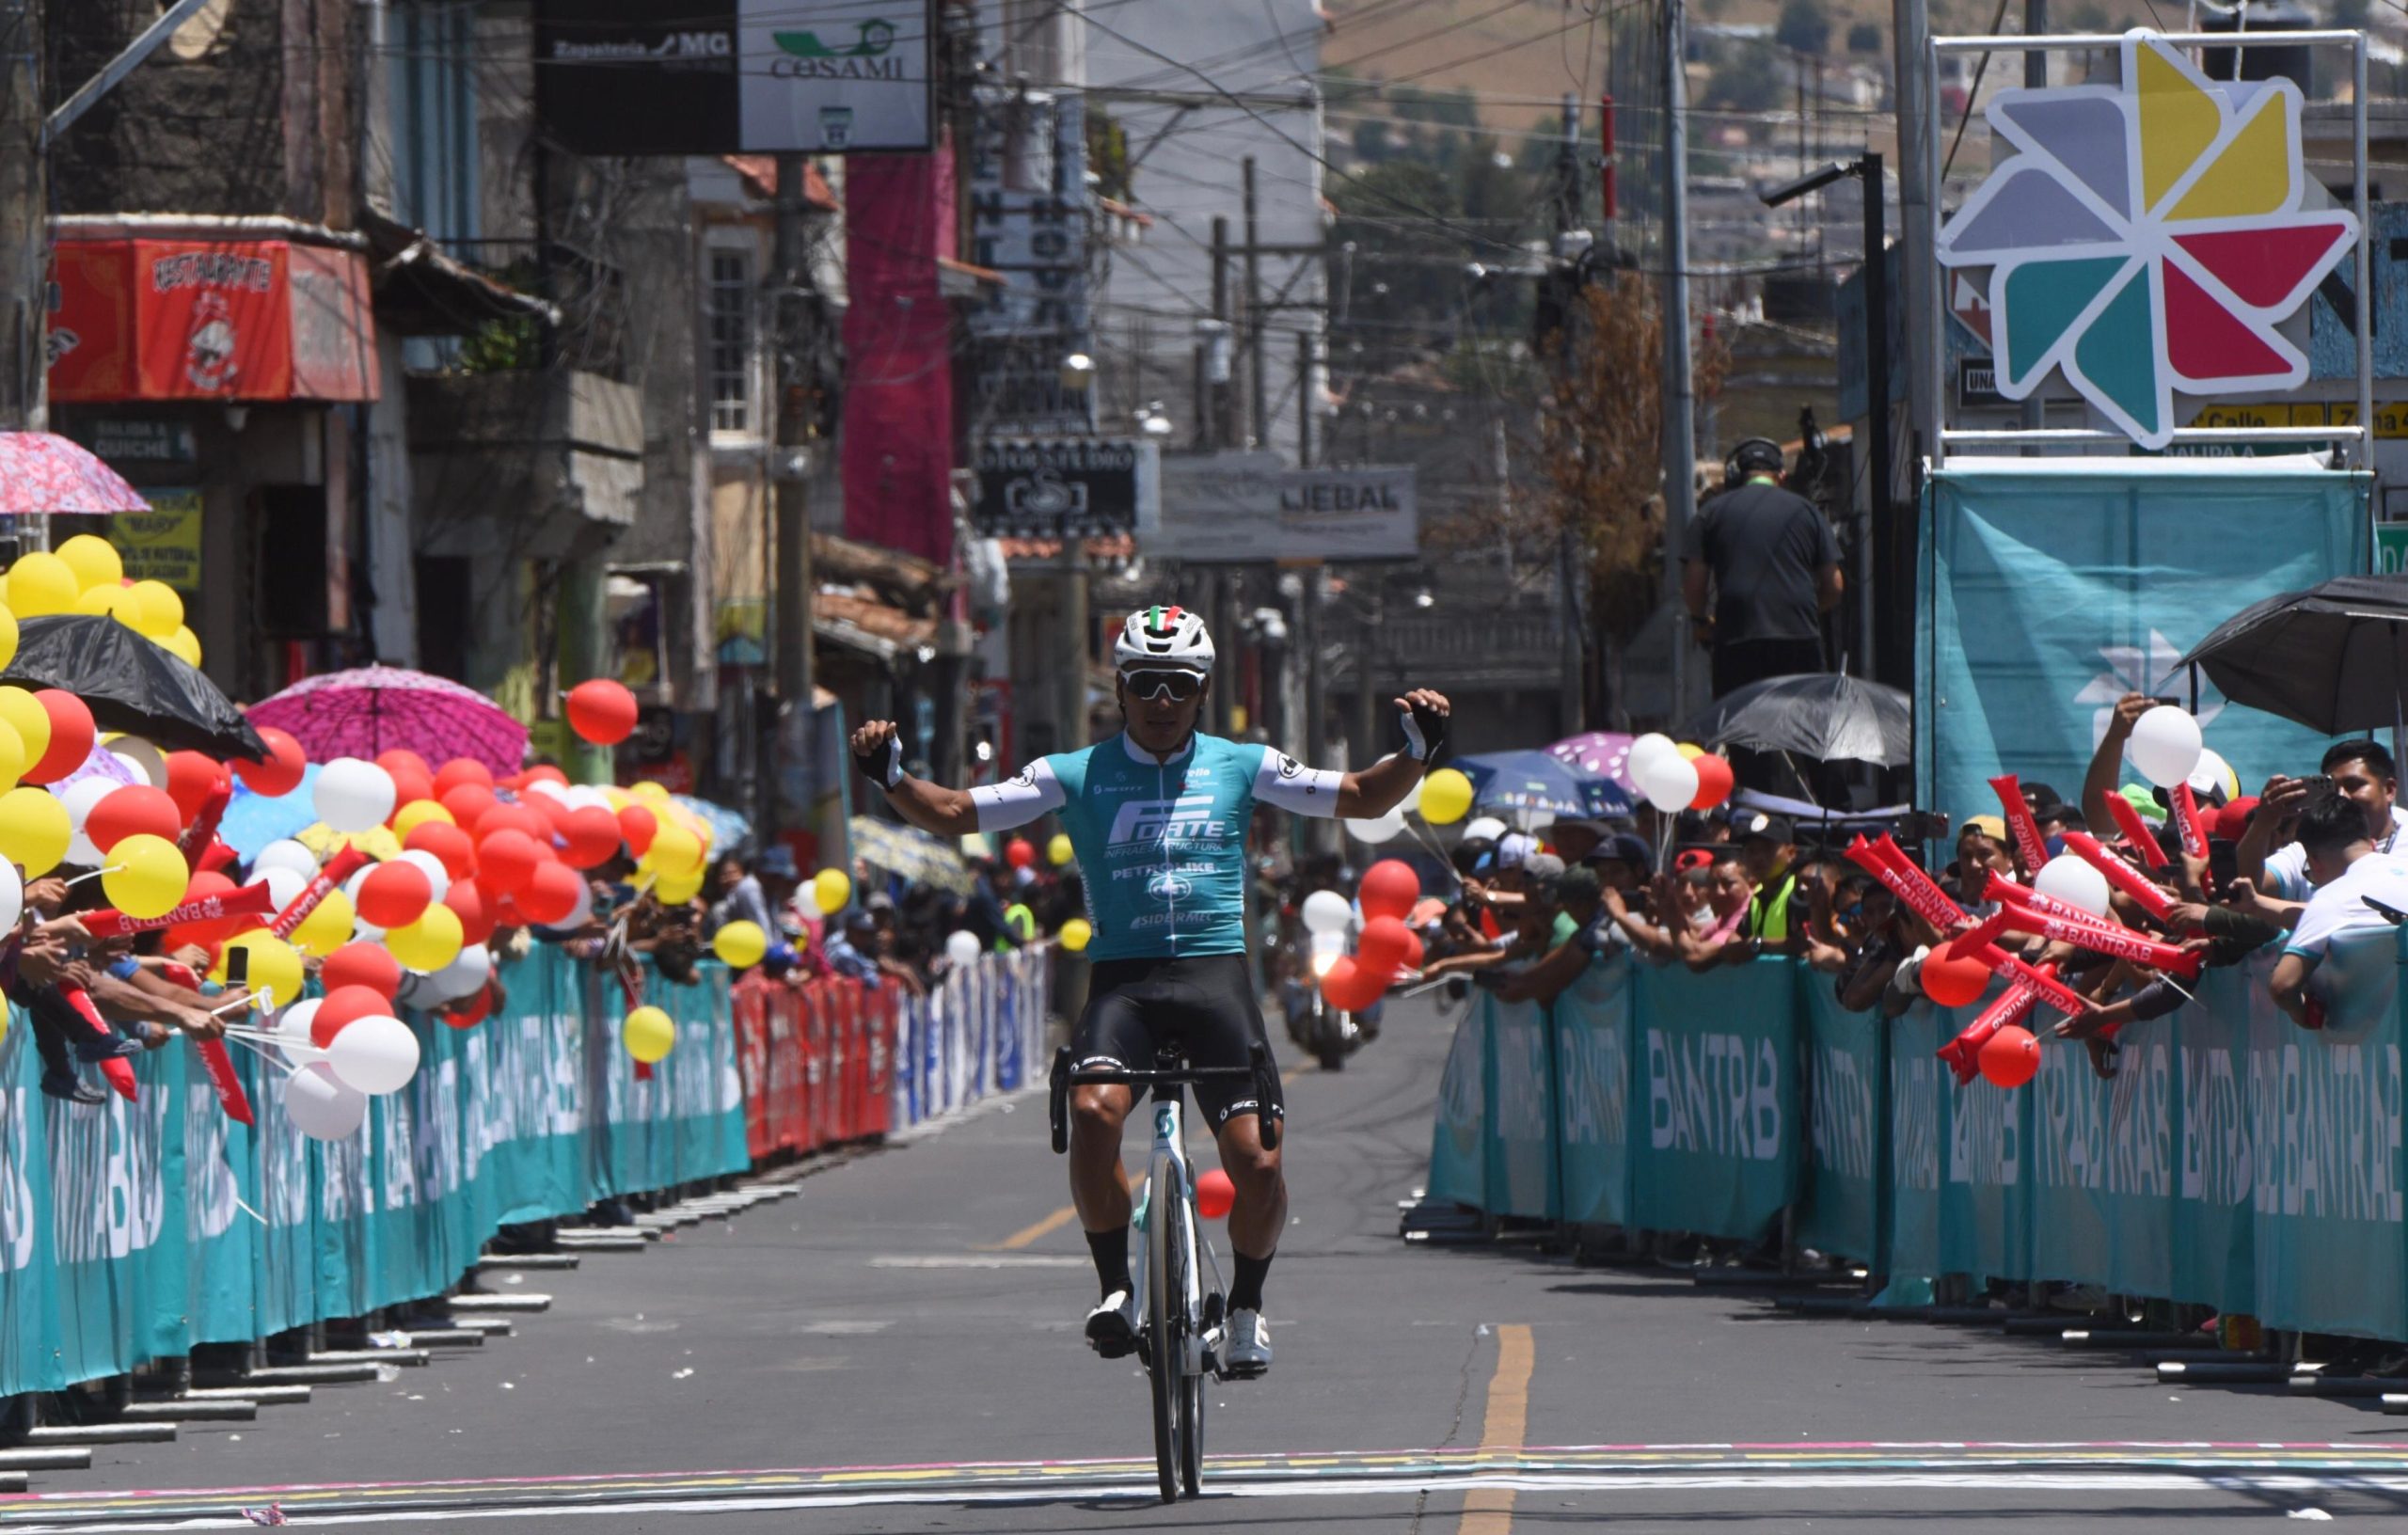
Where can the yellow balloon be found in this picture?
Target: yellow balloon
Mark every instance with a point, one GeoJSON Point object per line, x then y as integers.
{"type": "Point", "coordinates": [678, 891]}
{"type": "Point", "coordinates": [7, 637]}
{"type": "Point", "coordinates": [674, 851]}
{"type": "Point", "coordinates": [1446, 797]}
{"type": "Point", "coordinates": [33, 829]}
{"type": "Point", "coordinates": [274, 968]}
{"type": "Point", "coordinates": [650, 1034]}
{"type": "Point", "coordinates": [40, 584]}
{"type": "Point", "coordinates": [28, 719]}
{"type": "Point", "coordinates": [1692, 752]}
{"type": "Point", "coordinates": [1057, 852]}
{"type": "Point", "coordinates": [109, 601]}
{"type": "Point", "coordinates": [1076, 935]}
{"type": "Point", "coordinates": [184, 646]}
{"type": "Point", "coordinates": [326, 928]}
{"type": "Point", "coordinates": [146, 876]}
{"type": "Point", "coordinates": [740, 945]}
{"type": "Point", "coordinates": [429, 943]}
{"type": "Point", "coordinates": [93, 559]}
{"type": "Point", "coordinates": [658, 793]}
{"type": "Point", "coordinates": [831, 888]}
{"type": "Point", "coordinates": [416, 813]}
{"type": "Point", "coordinates": [158, 610]}
{"type": "Point", "coordinates": [13, 761]}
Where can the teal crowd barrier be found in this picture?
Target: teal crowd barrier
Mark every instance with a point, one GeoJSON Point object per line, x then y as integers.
{"type": "Point", "coordinates": [132, 1232]}
{"type": "Point", "coordinates": [2235, 1160]}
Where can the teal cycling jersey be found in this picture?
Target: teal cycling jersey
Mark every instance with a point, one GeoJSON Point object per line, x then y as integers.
{"type": "Point", "coordinates": [1161, 844]}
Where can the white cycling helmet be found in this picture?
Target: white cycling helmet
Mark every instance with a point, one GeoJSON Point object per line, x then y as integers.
{"type": "Point", "coordinates": [1164, 636]}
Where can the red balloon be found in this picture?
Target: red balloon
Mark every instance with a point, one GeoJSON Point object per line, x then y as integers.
{"type": "Point", "coordinates": [135, 808]}
{"type": "Point", "coordinates": [638, 826]}
{"type": "Point", "coordinates": [591, 833]}
{"type": "Point", "coordinates": [451, 845]}
{"type": "Point", "coordinates": [394, 894]}
{"type": "Point", "coordinates": [507, 915]}
{"type": "Point", "coordinates": [1021, 853]}
{"type": "Point", "coordinates": [469, 902]}
{"type": "Point", "coordinates": [545, 774]}
{"type": "Point", "coordinates": [470, 1011]}
{"type": "Point", "coordinates": [506, 861]}
{"type": "Point", "coordinates": [551, 812]}
{"type": "Point", "coordinates": [191, 779]}
{"type": "Point", "coordinates": [551, 894]}
{"type": "Point", "coordinates": [513, 818]}
{"type": "Point", "coordinates": [70, 737]}
{"type": "Point", "coordinates": [277, 773]}
{"type": "Point", "coordinates": [1714, 782]}
{"type": "Point", "coordinates": [602, 711]}
{"type": "Point", "coordinates": [2011, 1058]}
{"type": "Point", "coordinates": [1383, 947]}
{"type": "Point", "coordinates": [410, 786]}
{"type": "Point", "coordinates": [1350, 986]}
{"type": "Point", "coordinates": [1214, 1195]}
{"type": "Point", "coordinates": [369, 966]}
{"type": "Point", "coordinates": [1389, 889]}
{"type": "Point", "coordinates": [1954, 982]}
{"type": "Point", "coordinates": [402, 759]}
{"type": "Point", "coordinates": [467, 802]}
{"type": "Point", "coordinates": [343, 1007]}
{"type": "Point", "coordinates": [459, 771]}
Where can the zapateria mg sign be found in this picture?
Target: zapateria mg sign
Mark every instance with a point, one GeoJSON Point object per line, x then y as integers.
{"type": "Point", "coordinates": [2147, 238]}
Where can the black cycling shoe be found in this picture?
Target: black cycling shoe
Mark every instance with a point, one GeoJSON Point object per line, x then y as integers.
{"type": "Point", "coordinates": [1112, 1327]}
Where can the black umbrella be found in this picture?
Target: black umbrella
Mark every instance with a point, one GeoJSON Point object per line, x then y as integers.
{"type": "Point", "coordinates": [131, 684]}
{"type": "Point", "coordinates": [1827, 716]}
{"type": "Point", "coordinates": [2334, 658]}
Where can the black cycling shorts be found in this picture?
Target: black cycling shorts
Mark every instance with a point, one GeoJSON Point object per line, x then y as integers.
{"type": "Point", "coordinates": [1204, 1005]}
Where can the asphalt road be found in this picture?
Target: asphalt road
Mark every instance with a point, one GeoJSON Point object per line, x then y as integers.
{"type": "Point", "coordinates": [897, 1349]}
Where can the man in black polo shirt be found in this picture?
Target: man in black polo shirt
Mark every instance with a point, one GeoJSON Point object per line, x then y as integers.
{"type": "Point", "coordinates": [1774, 568]}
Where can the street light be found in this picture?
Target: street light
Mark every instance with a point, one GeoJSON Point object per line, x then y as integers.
{"type": "Point", "coordinates": [1867, 170]}
{"type": "Point", "coordinates": [1078, 373]}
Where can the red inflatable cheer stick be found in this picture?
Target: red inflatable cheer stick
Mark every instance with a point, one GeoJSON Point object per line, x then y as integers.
{"type": "Point", "coordinates": [1888, 862]}
{"type": "Point", "coordinates": [2098, 937]}
{"type": "Point", "coordinates": [2121, 875]}
{"type": "Point", "coordinates": [249, 901]}
{"type": "Point", "coordinates": [338, 868]}
{"type": "Point", "coordinates": [1963, 1053]}
{"type": "Point", "coordinates": [199, 837]}
{"type": "Point", "coordinates": [2186, 818]}
{"type": "Point", "coordinates": [2020, 821]}
{"type": "Point", "coordinates": [2136, 830]}
{"type": "Point", "coordinates": [213, 1054]}
{"type": "Point", "coordinates": [119, 1070]}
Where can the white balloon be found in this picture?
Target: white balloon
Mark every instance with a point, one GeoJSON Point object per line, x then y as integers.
{"type": "Point", "coordinates": [1669, 783]}
{"type": "Point", "coordinates": [83, 795]}
{"type": "Point", "coordinates": [2068, 878]}
{"type": "Point", "coordinates": [321, 1105]}
{"type": "Point", "coordinates": [12, 896]}
{"type": "Point", "coordinates": [2165, 746]}
{"type": "Point", "coordinates": [806, 899]}
{"type": "Point", "coordinates": [352, 794]}
{"type": "Point", "coordinates": [551, 790]}
{"type": "Point", "coordinates": [963, 948]}
{"type": "Point", "coordinates": [293, 1024]}
{"type": "Point", "coordinates": [1327, 911]}
{"type": "Point", "coordinates": [285, 854]}
{"type": "Point", "coordinates": [578, 913]}
{"type": "Point", "coordinates": [2214, 773]}
{"type": "Point", "coordinates": [1647, 748]}
{"type": "Point", "coordinates": [1484, 829]}
{"type": "Point", "coordinates": [148, 764]}
{"type": "Point", "coordinates": [284, 886]}
{"type": "Point", "coordinates": [436, 875]}
{"type": "Point", "coordinates": [374, 1054]}
{"type": "Point", "coordinates": [1411, 805]}
{"type": "Point", "coordinates": [1379, 829]}
{"type": "Point", "coordinates": [464, 975]}
{"type": "Point", "coordinates": [421, 992]}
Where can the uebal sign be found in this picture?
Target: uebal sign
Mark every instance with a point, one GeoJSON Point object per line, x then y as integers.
{"type": "Point", "coordinates": [2147, 238]}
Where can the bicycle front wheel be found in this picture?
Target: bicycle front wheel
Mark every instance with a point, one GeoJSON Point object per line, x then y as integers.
{"type": "Point", "coordinates": [1165, 1345]}
{"type": "Point", "coordinates": [1190, 1393]}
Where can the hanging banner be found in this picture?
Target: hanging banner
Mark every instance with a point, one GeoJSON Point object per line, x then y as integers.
{"type": "Point", "coordinates": [1247, 508]}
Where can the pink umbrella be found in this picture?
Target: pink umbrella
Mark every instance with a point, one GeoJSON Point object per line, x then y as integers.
{"type": "Point", "coordinates": [384, 708]}
{"type": "Point", "coordinates": [40, 471]}
{"type": "Point", "coordinates": [1598, 753]}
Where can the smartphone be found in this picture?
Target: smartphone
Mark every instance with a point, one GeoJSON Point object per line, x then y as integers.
{"type": "Point", "coordinates": [2167, 700]}
{"type": "Point", "coordinates": [2321, 783]}
{"type": "Point", "coordinates": [2390, 914]}
{"type": "Point", "coordinates": [2224, 864]}
{"type": "Point", "coordinates": [238, 966]}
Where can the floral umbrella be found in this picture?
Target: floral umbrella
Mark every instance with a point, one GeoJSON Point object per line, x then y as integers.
{"type": "Point", "coordinates": [1598, 753]}
{"type": "Point", "coordinates": [384, 708]}
{"type": "Point", "coordinates": [40, 471]}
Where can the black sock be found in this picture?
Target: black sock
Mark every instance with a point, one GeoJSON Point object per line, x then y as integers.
{"type": "Point", "coordinates": [1246, 1289]}
{"type": "Point", "coordinates": [1111, 1251]}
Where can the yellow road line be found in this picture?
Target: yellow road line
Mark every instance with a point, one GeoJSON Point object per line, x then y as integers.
{"type": "Point", "coordinates": [1029, 1234]}
{"type": "Point", "coordinates": [1489, 1510]}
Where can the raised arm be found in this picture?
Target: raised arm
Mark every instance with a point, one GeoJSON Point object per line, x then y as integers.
{"type": "Point", "coordinates": [1373, 791]}
{"type": "Point", "coordinates": [877, 751]}
{"type": "Point", "coordinates": [2107, 763]}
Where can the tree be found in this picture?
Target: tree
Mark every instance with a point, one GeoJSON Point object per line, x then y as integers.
{"type": "Point", "coordinates": [1864, 38]}
{"type": "Point", "coordinates": [1804, 27]}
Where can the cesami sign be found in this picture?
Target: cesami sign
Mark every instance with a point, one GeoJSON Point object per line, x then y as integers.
{"type": "Point", "coordinates": [2148, 239]}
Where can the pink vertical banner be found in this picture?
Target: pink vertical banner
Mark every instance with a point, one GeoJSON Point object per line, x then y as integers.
{"type": "Point", "coordinates": [897, 453]}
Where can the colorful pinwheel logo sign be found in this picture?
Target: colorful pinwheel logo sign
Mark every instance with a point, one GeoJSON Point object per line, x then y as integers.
{"type": "Point", "coordinates": [2148, 239]}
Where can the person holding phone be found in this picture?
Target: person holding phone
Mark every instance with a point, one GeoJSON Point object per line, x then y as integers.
{"type": "Point", "coordinates": [2361, 772]}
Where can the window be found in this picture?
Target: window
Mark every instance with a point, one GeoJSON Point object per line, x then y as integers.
{"type": "Point", "coordinates": [734, 363]}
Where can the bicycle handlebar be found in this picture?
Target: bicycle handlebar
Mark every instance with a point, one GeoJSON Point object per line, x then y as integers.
{"type": "Point", "coordinates": [1063, 1079]}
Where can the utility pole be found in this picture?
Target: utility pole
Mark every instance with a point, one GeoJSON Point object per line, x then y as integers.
{"type": "Point", "coordinates": [2034, 410]}
{"type": "Point", "coordinates": [1572, 624]}
{"type": "Point", "coordinates": [1218, 372]}
{"type": "Point", "coordinates": [1919, 313]}
{"type": "Point", "coordinates": [1679, 388]}
{"type": "Point", "coordinates": [25, 227]}
{"type": "Point", "coordinates": [1880, 520]}
{"type": "Point", "coordinates": [1303, 400]}
{"type": "Point", "coordinates": [791, 280]}
{"type": "Point", "coordinates": [1258, 413]}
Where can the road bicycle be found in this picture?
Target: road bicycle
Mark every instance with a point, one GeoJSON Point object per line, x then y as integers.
{"type": "Point", "coordinates": [1179, 1330]}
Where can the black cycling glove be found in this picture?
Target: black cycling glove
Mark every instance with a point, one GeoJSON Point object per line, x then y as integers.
{"type": "Point", "coordinates": [1425, 733]}
{"type": "Point", "coordinates": [882, 765]}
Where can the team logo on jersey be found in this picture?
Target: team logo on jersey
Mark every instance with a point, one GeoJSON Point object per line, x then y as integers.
{"type": "Point", "coordinates": [1026, 777]}
{"type": "Point", "coordinates": [1170, 887]}
{"type": "Point", "coordinates": [1165, 820]}
{"type": "Point", "coordinates": [1289, 767]}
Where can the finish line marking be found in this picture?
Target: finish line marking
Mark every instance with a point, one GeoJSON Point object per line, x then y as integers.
{"type": "Point", "coordinates": [1503, 1427]}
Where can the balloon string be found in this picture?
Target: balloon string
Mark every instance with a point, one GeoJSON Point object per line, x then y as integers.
{"type": "Point", "coordinates": [95, 874]}
{"type": "Point", "coordinates": [250, 1041]}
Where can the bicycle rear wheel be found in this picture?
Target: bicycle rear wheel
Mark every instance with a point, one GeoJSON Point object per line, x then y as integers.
{"type": "Point", "coordinates": [1165, 1344]}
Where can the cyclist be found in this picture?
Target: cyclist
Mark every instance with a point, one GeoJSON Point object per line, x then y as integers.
{"type": "Point", "coordinates": [1158, 818]}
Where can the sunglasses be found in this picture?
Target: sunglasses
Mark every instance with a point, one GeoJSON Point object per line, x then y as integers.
{"type": "Point", "coordinates": [1179, 687]}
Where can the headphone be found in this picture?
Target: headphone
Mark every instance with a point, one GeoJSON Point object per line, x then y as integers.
{"type": "Point", "coordinates": [1736, 467]}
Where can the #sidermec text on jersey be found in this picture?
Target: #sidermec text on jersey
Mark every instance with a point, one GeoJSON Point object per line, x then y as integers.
{"type": "Point", "coordinates": [1161, 844]}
